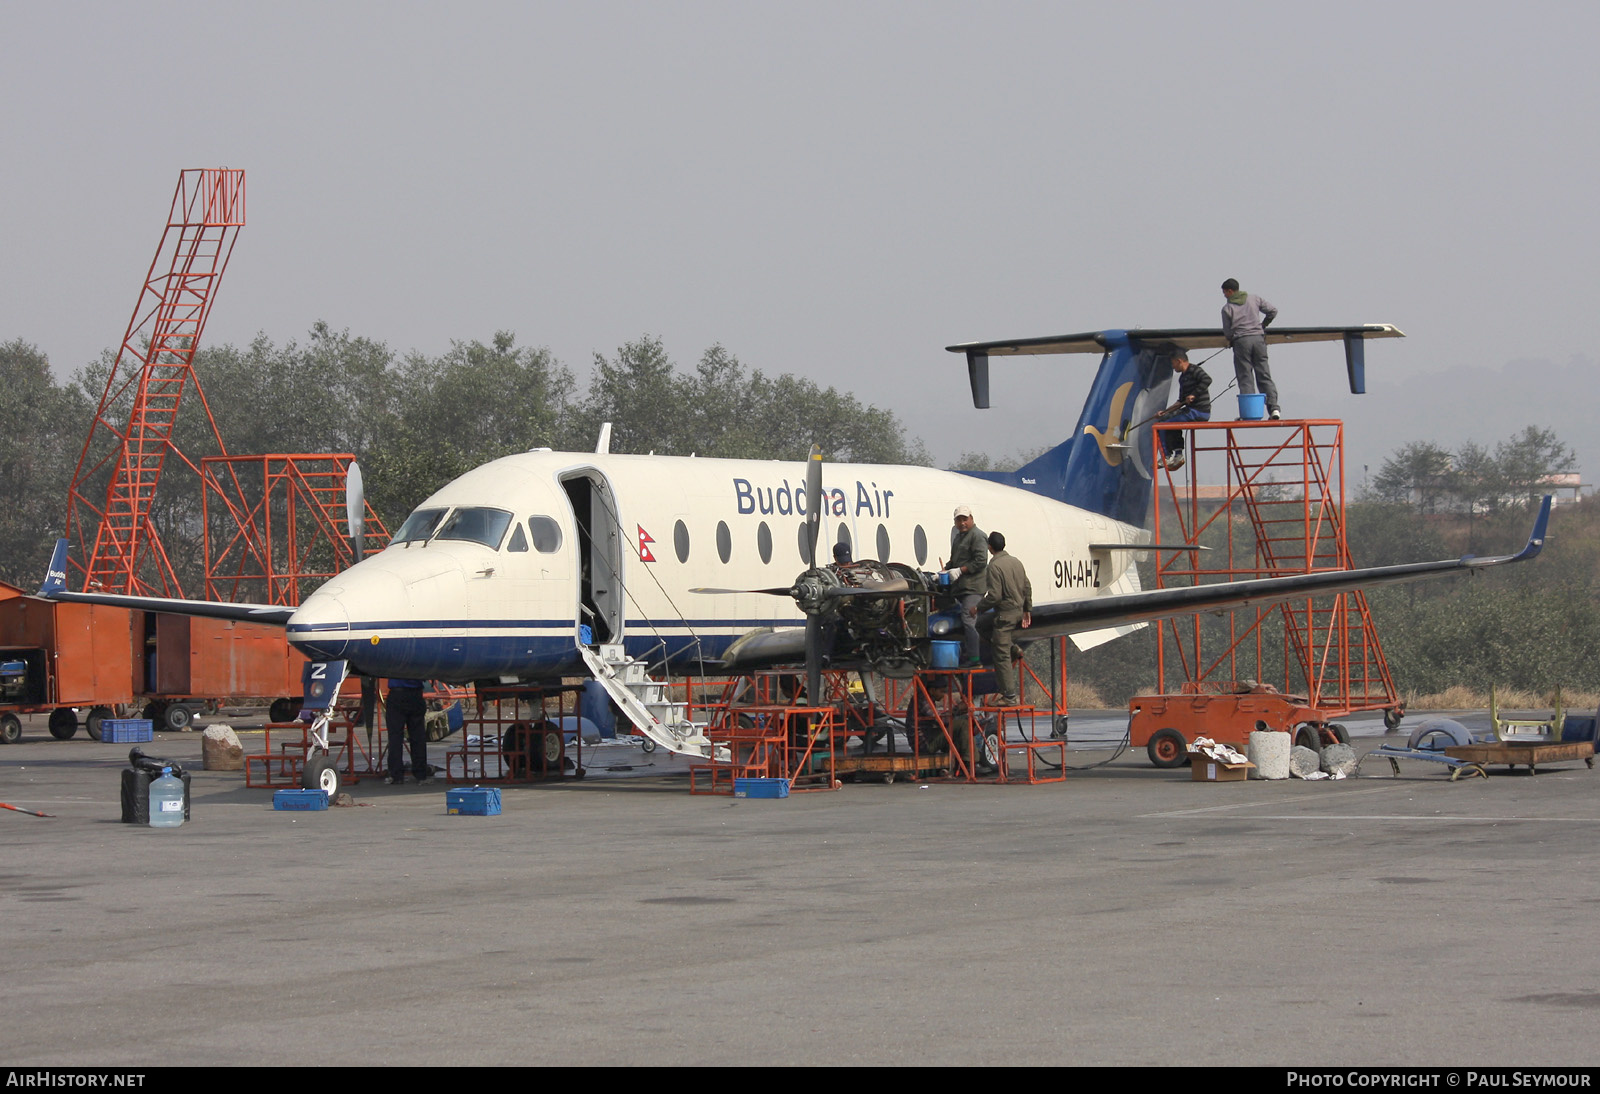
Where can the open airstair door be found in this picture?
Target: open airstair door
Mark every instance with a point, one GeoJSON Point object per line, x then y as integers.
{"type": "Point", "coordinates": [647, 704]}
{"type": "Point", "coordinates": [600, 564]}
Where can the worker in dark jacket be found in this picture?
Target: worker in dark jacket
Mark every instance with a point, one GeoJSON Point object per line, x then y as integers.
{"type": "Point", "coordinates": [1011, 596]}
{"type": "Point", "coordinates": [1193, 405]}
{"type": "Point", "coordinates": [405, 712]}
{"type": "Point", "coordinates": [968, 559]}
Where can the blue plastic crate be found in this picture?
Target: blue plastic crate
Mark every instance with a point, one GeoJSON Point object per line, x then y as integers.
{"type": "Point", "coordinates": [473, 801]}
{"type": "Point", "coordinates": [301, 801]}
{"type": "Point", "coordinates": [761, 788]}
{"type": "Point", "coordinates": [126, 731]}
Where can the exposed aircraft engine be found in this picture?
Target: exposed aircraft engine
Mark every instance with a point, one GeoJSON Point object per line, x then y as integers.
{"type": "Point", "coordinates": [880, 614]}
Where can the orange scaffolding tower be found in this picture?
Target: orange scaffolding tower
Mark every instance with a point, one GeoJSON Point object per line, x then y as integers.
{"type": "Point", "coordinates": [274, 525]}
{"type": "Point", "coordinates": [1268, 498]}
{"type": "Point", "coordinates": [108, 507]}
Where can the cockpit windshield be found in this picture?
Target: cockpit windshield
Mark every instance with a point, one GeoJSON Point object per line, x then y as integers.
{"type": "Point", "coordinates": [418, 526]}
{"type": "Point", "coordinates": [479, 524]}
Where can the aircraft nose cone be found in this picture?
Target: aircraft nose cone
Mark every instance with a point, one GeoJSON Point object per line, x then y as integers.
{"type": "Point", "coordinates": [320, 628]}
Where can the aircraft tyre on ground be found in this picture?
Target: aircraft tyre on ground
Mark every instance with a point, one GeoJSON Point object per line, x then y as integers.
{"type": "Point", "coordinates": [91, 724]}
{"type": "Point", "coordinates": [1439, 734]}
{"type": "Point", "coordinates": [1167, 748]}
{"type": "Point", "coordinates": [554, 748]}
{"type": "Point", "coordinates": [320, 773]}
{"type": "Point", "coordinates": [63, 723]}
{"type": "Point", "coordinates": [283, 710]}
{"type": "Point", "coordinates": [10, 728]}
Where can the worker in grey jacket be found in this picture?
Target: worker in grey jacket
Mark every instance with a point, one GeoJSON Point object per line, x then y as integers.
{"type": "Point", "coordinates": [1011, 595]}
{"type": "Point", "coordinates": [1245, 319]}
{"type": "Point", "coordinates": [969, 557]}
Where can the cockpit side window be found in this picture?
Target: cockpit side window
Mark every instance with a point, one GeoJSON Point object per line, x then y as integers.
{"type": "Point", "coordinates": [418, 526]}
{"type": "Point", "coordinates": [546, 534]}
{"type": "Point", "coordinates": [478, 524]}
{"type": "Point", "coordinates": [519, 542]}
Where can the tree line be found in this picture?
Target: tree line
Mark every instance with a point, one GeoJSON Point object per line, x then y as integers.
{"type": "Point", "coordinates": [415, 421]}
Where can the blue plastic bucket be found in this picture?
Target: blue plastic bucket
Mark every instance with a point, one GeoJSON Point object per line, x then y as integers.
{"type": "Point", "coordinates": [946, 655]}
{"type": "Point", "coordinates": [1252, 407]}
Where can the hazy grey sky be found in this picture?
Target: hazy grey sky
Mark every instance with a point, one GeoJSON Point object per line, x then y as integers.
{"type": "Point", "coordinates": [834, 190]}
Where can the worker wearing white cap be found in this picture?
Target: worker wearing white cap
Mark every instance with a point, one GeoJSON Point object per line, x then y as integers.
{"type": "Point", "coordinates": [969, 557]}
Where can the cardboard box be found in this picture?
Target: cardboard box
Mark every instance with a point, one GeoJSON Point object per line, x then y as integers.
{"type": "Point", "coordinates": [1207, 770]}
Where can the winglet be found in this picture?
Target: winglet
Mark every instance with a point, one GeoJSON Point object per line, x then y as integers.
{"type": "Point", "coordinates": [1536, 538]}
{"type": "Point", "coordinates": [55, 578]}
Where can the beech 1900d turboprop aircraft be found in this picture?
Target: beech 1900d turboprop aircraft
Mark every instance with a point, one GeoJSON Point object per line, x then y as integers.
{"type": "Point", "coordinates": [548, 564]}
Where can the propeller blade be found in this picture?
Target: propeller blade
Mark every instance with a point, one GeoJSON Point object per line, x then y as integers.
{"type": "Point", "coordinates": [785, 591]}
{"type": "Point", "coordinates": [898, 588]}
{"type": "Point", "coordinates": [813, 660]}
{"type": "Point", "coordinates": [355, 508]}
{"type": "Point", "coordinates": [813, 501]}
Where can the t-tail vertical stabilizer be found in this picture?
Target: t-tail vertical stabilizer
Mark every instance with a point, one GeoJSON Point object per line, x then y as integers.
{"type": "Point", "coordinates": [1104, 466]}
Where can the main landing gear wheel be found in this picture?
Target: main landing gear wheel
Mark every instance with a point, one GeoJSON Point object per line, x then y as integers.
{"type": "Point", "coordinates": [10, 729]}
{"type": "Point", "coordinates": [320, 773]}
{"type": "Point", "coordinates": [63, 723]}
{"type": "Point", "coordinates": [1167, 748]}
{"type": "Point", "coordinates": [91, 724]}
{"type": "Point", "coordinates": [554, 749]}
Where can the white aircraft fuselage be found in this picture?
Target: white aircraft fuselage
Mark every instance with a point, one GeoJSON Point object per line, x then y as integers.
{"type": "Point", "coordinates": [527, 548]}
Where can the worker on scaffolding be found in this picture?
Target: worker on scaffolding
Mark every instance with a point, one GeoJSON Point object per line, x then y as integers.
{"type": "Point", "coordinates": [1011, 595]}
{"type": "Point", "coordinates": [1193, 405]}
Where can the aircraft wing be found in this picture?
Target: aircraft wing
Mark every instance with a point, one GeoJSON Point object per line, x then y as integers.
{"type": "Point", "coordinates": [1187, 337]}
{"type": "Point", "coordinates": [774, 647]}
{"type": "Point", "coordinates": [1109, 611]}
{"type": "Point", "coordinates": [55, 588]}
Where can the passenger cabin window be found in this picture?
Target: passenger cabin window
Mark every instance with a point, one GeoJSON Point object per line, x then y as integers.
{"type": "Point", "coordinates": [519, 542]}
{"type": "Point", "coordinates": [478, 524]}
{"type": "Point", "coordinates": [546, 535]}
{"type": "Point", "coordinates": [418, 526]}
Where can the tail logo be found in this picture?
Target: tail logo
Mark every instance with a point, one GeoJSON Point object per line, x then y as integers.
{"type": "Point", "coordinates": [1113, 434]}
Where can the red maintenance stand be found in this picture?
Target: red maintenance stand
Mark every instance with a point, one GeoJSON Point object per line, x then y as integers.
{"type": "Point", "coordinates": [1268, 498]}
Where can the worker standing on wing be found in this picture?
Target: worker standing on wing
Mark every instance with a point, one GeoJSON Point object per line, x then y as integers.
{"type": "Point", "coordinates": [1245, 319]}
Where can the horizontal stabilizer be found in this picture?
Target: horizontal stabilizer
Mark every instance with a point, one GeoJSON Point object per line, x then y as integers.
{"type": "Point", "coordinates": [1187, 337]}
